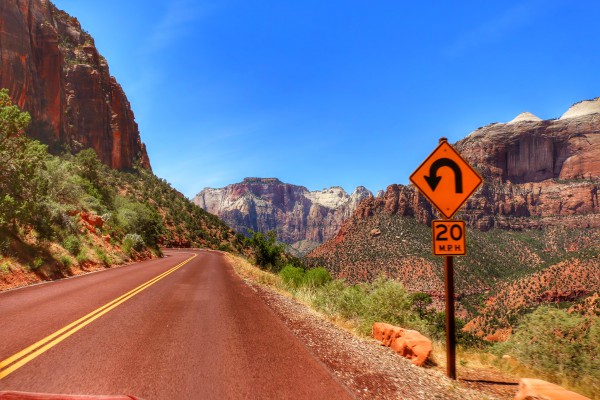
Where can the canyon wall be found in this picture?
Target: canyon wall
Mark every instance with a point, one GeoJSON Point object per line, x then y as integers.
{"type": "Point", "coordinates": [293, 212]}
{"type": "Point", "coordinates": [53, 70]}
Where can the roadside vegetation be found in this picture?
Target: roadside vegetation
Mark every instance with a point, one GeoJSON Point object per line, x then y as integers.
{"type": "Point", "coordinates": [549, 343]}
{"type": "Point", "coordinates": [62, 212]}
{"type": "Point", "coordinates": [557, 346]}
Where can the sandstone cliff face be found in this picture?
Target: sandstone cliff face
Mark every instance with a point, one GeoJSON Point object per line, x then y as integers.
{"type": "Point", "coordinates": [537, 173]}
{"type": "Point", "coordinates": [53, 70]}
{"type": "Point", "coordinates": [295, 213]}
{"type": "Point", "coordinates": [532, 151]}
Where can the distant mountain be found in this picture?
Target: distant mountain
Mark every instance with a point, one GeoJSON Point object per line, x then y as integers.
{"type": "Point", "coordinates": [54, 71]}
{"type": "Point", "coordinates": [301, 218]}
{"type": "Point", "coordinates": [537, 215]}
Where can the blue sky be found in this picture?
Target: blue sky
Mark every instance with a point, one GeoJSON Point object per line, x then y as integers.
{"type": "Point", "coordinates": [322, 93]}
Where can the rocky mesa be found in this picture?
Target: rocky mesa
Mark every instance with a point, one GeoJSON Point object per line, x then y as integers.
{"type": "Point", "coordinates": [300, 217]}
{"type": "Point", "coordinates": [54, 71]}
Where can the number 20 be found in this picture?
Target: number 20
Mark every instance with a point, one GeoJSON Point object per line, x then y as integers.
{"type": "Point", "coordinates": [456, 232]}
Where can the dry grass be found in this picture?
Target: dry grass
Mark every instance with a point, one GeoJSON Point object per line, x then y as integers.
{"type": "Point", "coordinates": [250, 272]}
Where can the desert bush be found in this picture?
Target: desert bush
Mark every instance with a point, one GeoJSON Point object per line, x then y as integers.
{"type": "Point", "coordinates": [316, 277]}
{"type": "Point", "coordinates": [225, 247]}
{"type": "Point", "coordinates": [36, 264]}
{"type": "Point", "coordinates": [388, 301]}
{"type": "Point", "coordinates": [65, 261]}
{"type": "Point", "coordinates": [292, 276]}
{"type": "Point", "coordinates": [133, 241]}
{"type": "Point", "coordinates": [82, 256]}
{"type": "Point", "coordinates": [136, 217]}
{"type": "Point", "coordinates": [102, 256]}
{"type": "Point", "coordinates": [561, 346]}
{"type": "Point", "coordinates": [267, 252]}
{"type": "Point", "coordinates": [4, 268]}
{"type": "Point", "coordinates": [382, 300]}
{"type": "Point", "coordinates": [4, 246]}
{"type": "Point", "coordinates": [72, 244]}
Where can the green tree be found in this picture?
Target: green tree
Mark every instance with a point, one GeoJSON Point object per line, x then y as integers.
{"type": "Point", "coordinates": [136, 217]}
{"type": "Point", "coordinates": [23, 189]}
{"type": "Point", "coordinates": [267, 251]}
{"type": "Point", "coordinates": [421, 303]}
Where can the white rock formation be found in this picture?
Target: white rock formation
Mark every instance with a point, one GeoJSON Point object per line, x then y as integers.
{"type": "Point", "coordinates": [585, 107]}
{"type": "Point", "coordinates": [525, 116]}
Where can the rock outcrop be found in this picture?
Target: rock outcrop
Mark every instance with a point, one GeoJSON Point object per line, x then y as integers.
{"type": "Point", "coordinates": [408, 343]}
{"type": "Point", "coordinates": [54, 71]}
{"type": "Point", "coordinates": [293, 212]}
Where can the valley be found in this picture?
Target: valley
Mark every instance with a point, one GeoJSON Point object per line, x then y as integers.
{"type": "Point", "coordinates": [112, 280]}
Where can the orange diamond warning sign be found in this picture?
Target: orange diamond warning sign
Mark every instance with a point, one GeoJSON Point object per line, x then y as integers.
{"type": "Point", "coordinates": [446, 179]}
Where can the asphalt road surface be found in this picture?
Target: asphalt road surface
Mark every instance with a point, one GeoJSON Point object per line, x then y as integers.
{"type": "Point", "coordinates": [181, 327]}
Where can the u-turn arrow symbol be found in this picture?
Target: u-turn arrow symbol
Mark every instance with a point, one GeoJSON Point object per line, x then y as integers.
{"type": "Point", "coordinates": [433, 180]}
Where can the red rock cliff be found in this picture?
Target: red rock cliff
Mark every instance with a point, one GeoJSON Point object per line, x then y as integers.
{"type": "Point", "coordinates": [53, 70]}
{"type": "Point", "coordinates": [537, 173]}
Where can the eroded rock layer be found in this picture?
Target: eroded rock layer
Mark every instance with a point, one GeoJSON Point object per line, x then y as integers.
{"type": "Point", "coordinates": [54, 71]}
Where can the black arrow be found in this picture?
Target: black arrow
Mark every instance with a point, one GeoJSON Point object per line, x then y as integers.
{"type": "Point", "coordinates": [433, 180]}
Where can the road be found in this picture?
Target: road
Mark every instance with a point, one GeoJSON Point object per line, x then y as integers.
{"type": "Point", "coordinates": [181, 327]}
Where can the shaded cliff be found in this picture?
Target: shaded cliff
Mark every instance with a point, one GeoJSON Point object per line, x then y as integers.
{"type": "Point", "coordinates": [299, 217]}
{"type": "Point", "coordinates": [54, 71]}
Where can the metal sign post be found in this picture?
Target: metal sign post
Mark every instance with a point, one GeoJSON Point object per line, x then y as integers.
{"type": "Point", "coordinates": [447, 181]}
{"type": "Point", "coordinates": [450, 324]}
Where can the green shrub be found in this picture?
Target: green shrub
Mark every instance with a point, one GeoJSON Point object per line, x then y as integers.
{"type": "Point", "coordinates": [133, 241]}
{"type": "Point", "coordinates": [102, 256]}
{"type": "Point", "coordinates": [380, 301]}
{"type": "Point", "coordinates": [388, 301]}
{"type": "Point", "coordinates": [65, 261]}
{"type": "Point", "coordinates": [267, 252]}
{"type": "Point", "coordinates": [82, 256]}
{"type": "Point", "coordinates": [36, 264]}
{"type": "Point", "coordinates": [338, 299]}
{"type": "Point", "coordinates": [225, 247]}
{"type": "Point", "coordinates": [4, 246]}
{"type": "Point", "coordinates": [560, 346]}
{"type": "Point", "coordinates": [316, 277]}
{"type": "Point", "coordinates": [72, 244]}
{"type": "Point", "coordinates": [136, 217]}
{"type": "Point", "coordinates": [4, 268]}
{"type": "Point", "coordinates": [292, 276]}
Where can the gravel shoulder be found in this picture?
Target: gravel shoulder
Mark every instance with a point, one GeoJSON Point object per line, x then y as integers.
{"type": "Point", "coordinates": [366, 368]}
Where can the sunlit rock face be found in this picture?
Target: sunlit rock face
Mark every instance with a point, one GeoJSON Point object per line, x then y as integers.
{"type": "Point", "coordinates": [52, 70]}
{"type": "Point", "coordinates": [293, 212]}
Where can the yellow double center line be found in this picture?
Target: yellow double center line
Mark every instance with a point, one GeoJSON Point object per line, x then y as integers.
{"type": "Point", "coordinates": [21, 358]}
